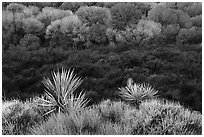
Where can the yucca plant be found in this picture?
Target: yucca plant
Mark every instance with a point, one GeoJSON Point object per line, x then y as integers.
{"type": "Point", "coordinates": [135, 93]}
{"type": "Point", "coordinates": [59, 93]}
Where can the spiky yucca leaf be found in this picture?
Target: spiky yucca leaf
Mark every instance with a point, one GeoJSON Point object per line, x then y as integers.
{"type": "Point", "coordinates": [77, 103]}
{"type": "Point", "coordinates": [137, 92]}
{"type": "Point", "coordinates": [59, 93]}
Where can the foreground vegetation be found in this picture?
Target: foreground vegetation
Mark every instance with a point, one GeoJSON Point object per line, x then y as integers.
{"type": "Point", "coordinates": [156, 117]}
{"type": "Point", "coordinates": [136, 61]}
{"type": "Point", "coordinates": [60, 112]}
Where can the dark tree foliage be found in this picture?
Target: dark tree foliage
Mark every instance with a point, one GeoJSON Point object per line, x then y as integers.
{"type": "Point", "coordinates": [102, 42]}
{"type": "Point", "coordinates": [73, 6]}
{"type": "Point", "coordinates": [124, 14]}
{"type": "Point", "coordinates": [167, 16]}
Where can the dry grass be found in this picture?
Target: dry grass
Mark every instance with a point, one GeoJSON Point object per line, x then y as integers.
{"type": "Point", "coordinates": [154, 117]}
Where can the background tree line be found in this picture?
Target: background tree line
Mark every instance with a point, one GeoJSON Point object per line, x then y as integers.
{"type": "Point", "coordinates": [106, 43]}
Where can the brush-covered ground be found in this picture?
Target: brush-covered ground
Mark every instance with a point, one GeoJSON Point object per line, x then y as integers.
{"type": "Point", "coordinates": [154, 116]}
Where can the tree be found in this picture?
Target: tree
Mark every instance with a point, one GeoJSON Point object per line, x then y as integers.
{"type": "Point", "coordinates": [149, 28]}
{"type": "Point", "coordinates": [170, 5]}
{"type": "Point", "coordinates": [73, 6]}
{"type": "Point", "coordinates": [167, 16]}
{"type": "Point", "coordinates": [142, 32]}
{"type": "Point", "coordinates": [197, 21]}
{"type": "Point", "coordinates": [61, 32]}
{"type": "Point", "coordinates": [96, 34]}
{"type": "Point", "coordinates": [94, 15]}
{"type": "Point", "coordinates": [192, 8]}
{"type": "Point", "coordinates": [170, 32]}
{"type": "Point", "coordinates": [7, 29]}
{"type": "Point", "coordinates": [124, 14]}
{"type": "Point", "coordinates": [144, 7]}
{"type": "Point", "coordinates": [32, 26]}
{"type": "Point", "coordinates": [15, 7]}
{"type": "Point", "coordinates": [192, 35]}
{"type": "Point", "coordinates": [96, 20]}
{"type": "Point", "coordinates": [11, 28]}
{"type": "Point", "coordinates": [30, 42]}
{"type": "Point", "coordinates": [106, 4]}
{"type": "Point", "coordinates": [50, 14]}
{"type": "Point", "coordinates": [31, 11]}
{"type": "Point", "coordinates": [41, 5]}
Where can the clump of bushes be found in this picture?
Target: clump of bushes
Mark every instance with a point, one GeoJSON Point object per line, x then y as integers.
{"type": "Point", "coordinates": [67, 114]}
{"type": "Point", "coordinates": [124, 14]}
{"type": "Point", "coordinates": [18, 117]}
{"type": "Point", "coordinates": [96, 20]}
{"type": "Point", "coordinates": [107, 43]}
{"type": "Point", "coordinates": [155, 117]}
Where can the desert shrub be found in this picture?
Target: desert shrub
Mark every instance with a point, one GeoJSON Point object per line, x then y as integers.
{"type": "Point", "coordinates": [33, 26]}
{"type": "Point", "coordinates": [106, 4]}
{"type": "Point", "coordinates": [18, 117]}
{"type": "Point", "coordinates": [4, 4]}
{"type": "Point", "coordinates": [111, 35]}
{"type": "Point", "coordinates": [63, 32]}
{"type": "Point", "coordinates": [86, 122]}
{"type": "Point", "coordinates": [31, 11]}
{"type": "Point", "coordinates": [41, 5]}
{"type": "Point", "coordinates": [143, 32]}
{"type": "Point", "coordinates": [170, 111]}
{"type": "Point", "coordinates": [112, 111]}
{"type": "Point", "coordinates": [149, 28]}
{"type": "Point", "coordinates": [11, 28]}
{"type": "Point", "coordinates": [73, 6]}
{"type": "Point", "coordinates": [15, 7]}
{"type": "Point", "coordinates": [96, 20]}
{"type": "Point", "coordinates": [191, 35]}
{"type": "Point", "coordinates": [96, 34]}
{"type": "Point", "coordinates": [191, 92]}
{"type": "Point", "coordinates": [104, 67]}
{"type": "Point", "coordinates": [163, 117]}
{"type": "Point", "coordinates": [131, 58]}
{"type": "Point", "coordinates": [143, 6]}
{"type": "Point", "coordinates": [50, 14]}
{"type": "Point", "coordinates": [155, 117]}
{"type": "Point", "coordinates": [59, 124]}
{"type": "Point", "coordinates": [7, 28]}
{"type": "Point", "coordinates": [124, 14]}
{"type": "Point", "coordinates": [24, 67]}
{"type": "Point", "coordinates": [197, 21]}
{"type": "Point", "coordinates": [170, 69]}
{"type": "Point", "coordinates": [92, 120]}
{"type": "Point", "coordinates": [170, 32]}
{"type": "Point", "coordinates": [192, 8]}
{"type": "Point", "coordinates": [171, 5]}
{"type": "Point", "coordinates": [167, 16]}
{"type": "Point", "coordinates": [109, 128]}
{"type": "Point", "coordinates": [93, 15]}
{"type": "Point", "coordinates": [30, 42]}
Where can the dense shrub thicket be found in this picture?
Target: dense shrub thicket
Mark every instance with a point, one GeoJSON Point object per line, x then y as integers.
{"type": "Point", "coordinates": [153, 117]}
{"type": "Point", "coordinates": [106, 43]}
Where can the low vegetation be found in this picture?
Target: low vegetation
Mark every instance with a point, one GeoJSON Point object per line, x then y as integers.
{"type": "Point", "coordinates": [154, 117]}
{"type": "Point", "coordinates": [138, 66]}
{"type": "Point", "coordinates": [151, 116]}
{"type": "Point", "coordinates": [106, 43]}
